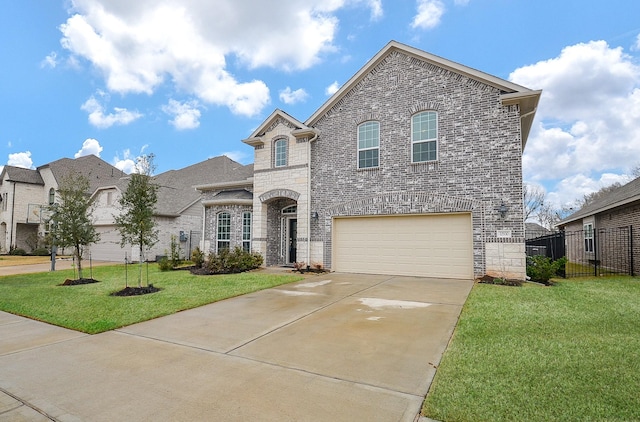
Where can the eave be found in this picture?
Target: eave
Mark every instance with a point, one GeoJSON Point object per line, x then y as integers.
{"type": "Point", "coordinates": [225, 185]}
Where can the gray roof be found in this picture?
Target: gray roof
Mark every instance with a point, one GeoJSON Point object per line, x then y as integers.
{"type": "Point", "coordinates": [177, 190]}
{"type": "Point", "coordinates": [22, 175]}
{"type": "Point", "coordinates": [623, 195]}
{"type": "Point", "coordinates": [97, 171]}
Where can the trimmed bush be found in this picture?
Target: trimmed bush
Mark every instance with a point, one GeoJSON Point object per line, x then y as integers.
{"type": "Point", "coordinates": [197, 256]}
{"type": "Point", "coordinates": [164, 264]}
{"type": "Point", "coordinates": [231, 262]}
{"type": "Point", "coordinates": [40, 252]}
{"type": "Point", "coordinates": [18, 251]}
{"type": "Point", "coordinates": [542, 269]}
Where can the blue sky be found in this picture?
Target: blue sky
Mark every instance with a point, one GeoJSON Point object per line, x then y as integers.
{"type": "Point", "coordinates": [188, 80]}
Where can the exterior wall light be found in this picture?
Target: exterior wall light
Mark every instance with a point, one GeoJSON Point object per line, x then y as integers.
{"type": "Point", "coordinates": [502, 210]}
{"type": "Point", "coordinates": [314, 215]}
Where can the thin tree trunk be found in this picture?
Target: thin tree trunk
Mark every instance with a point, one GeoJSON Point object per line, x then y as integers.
{"type": "Point", "coordinates": [79, 259]}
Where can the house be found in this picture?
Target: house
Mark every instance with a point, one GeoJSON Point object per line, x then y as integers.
{"type": "Point", "coordinates": [413, 167]}
{"type": "Point", "coordinates": [26, 193]}
{"type": "Point", "coordinates": [606, 232]}
{"type": "Point", "coordinates": [178, 212]}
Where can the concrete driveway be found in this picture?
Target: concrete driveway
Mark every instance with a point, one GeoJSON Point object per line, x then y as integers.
{"type": "Point", "coordinates": [336, 347]}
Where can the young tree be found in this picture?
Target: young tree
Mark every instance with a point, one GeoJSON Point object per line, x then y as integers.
{"type": "Point", "coordinates": [71, 220]}
{"type": "Point", "coordinates": [533, 197]}
{"type": "Point", "coordinates": [135, 222]}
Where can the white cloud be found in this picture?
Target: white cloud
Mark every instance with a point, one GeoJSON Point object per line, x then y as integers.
{"type": "Point", "coordinates": [186, 115]}
{"type": "Point", "coordinates": [21, 159]}
{"type": "Point", "coordinates": [89, 146]}
{"type": "Point", "coordinates": [139, 46]}
{"type": "Point", "coordinates": [50, 60]}
{"type": "Point", "coordinates": [127, 163]}
{"type": "Point", "coordinates": [239, 156]}
{"type": "Point", "coordinates": [588, 120]}
{"type": "Point", "coordinates": [429, 14]}
{"type": "Point", "coordinates": [332, 89]}
{"type": "Point", "coordinates": [288, 96]}
{"type": "Point", "coordinates": [98, 118]}
{"type": "Point", "coordinates": [636, 46]}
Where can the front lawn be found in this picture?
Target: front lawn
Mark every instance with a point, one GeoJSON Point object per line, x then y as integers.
{"type": "Point", "coordinates": [570, 352]}
{"type": "Point", "coordinates": [91, 309]}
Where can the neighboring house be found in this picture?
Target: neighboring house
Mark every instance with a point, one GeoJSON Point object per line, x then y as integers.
{"type": "Point", "coordinates": [178, 211]}
{"type": "Point", "coordinates": [533, 230]}
{"type": "Point", "coordinates": [413, 167]}
{"type": "Point", "coordinates": [25, 195]}
{"type": "Point", "coordinates": [607, 231]}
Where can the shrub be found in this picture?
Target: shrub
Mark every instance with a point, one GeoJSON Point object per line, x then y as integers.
{"type": "Point", "coordinates": [40, 252]}
{"type": "Point", "coordinates": [164, 264]}
{"type": "Point", "coordinates": [174, 256]}
{"type": "Point", "coordinates": [197, 256]}
{"type": "Point", "coordinates": [541, 269]}
{"type": "Point", "coordinates": [230, 262]}
{"type": "Point", "coordinates": [17, 251]}
{"type": "Point", "coordinates": [300, 266]}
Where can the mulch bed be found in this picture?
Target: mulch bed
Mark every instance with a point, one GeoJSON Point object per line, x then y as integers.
{"type": "Point", "coordinates": [136, 291]}
{"type": "Point", "coordinates": [69, 282]}
{"type": "Point", "coordinates": [487, 279]}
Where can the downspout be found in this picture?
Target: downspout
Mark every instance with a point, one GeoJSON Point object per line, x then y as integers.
{"type": "Point", "coordinates": [204, 224]}
{"type": "Point", "coordinates": [309, 195]}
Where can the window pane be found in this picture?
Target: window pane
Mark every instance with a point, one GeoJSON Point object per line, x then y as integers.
{"type": "Point", "coordinates": [224, 226]}
{"type": "Point", "coordinates": [368, 158]}
{"type": "Point", "coordinates": [424, 134]}
{"type": "Point", "coordinates": [281, 153]}
{"type": "Point", "coordinates": [424, 151]}
{"type": "Point", "coordinates": [368, 144]}
{"type": "Point", "coordinates": [246, 231]}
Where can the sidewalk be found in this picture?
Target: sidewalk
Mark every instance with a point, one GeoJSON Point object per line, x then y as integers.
{"type": "Point", "coordinates": [61, 264]}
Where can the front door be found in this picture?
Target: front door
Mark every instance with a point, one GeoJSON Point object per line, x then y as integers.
{"type": "Point", "coordinates": [292, 239]}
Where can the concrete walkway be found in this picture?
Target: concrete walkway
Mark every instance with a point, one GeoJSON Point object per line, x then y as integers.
{"type": "Point", "coordinates": [336, 347]}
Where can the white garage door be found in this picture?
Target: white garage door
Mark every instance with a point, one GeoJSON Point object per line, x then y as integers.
{"type": "Point", "coordinates": [108, 248]}
{"type": "Point", "coordinates": [418, 245]}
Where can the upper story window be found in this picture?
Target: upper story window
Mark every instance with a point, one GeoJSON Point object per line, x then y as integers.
{"type": "Point", "coordinates": [280, 152]}
{"type": "Point", "coordinates": [52, 196]}
{"type": "Point", "coordinates": [368, 145]}
{"type": "Point", "coordinates": [424, 134]}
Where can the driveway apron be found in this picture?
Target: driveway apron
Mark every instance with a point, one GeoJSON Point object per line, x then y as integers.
{"type": "Point", "coordinates": [335, 347]}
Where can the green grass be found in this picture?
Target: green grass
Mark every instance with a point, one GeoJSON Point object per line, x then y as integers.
{"type": "Point", "coordinates": [90, 308]}
{"type": "Point", "coordinates": [570, 352]}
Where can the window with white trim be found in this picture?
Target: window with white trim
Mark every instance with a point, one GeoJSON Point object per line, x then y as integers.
{"type": "Point", "coordinates": [246, 231]}
{"type": "Point", "coordinates": [424, 135]}
{"type": "Point", "coordinates": [369, 145]}
{"type": "Point", "coordinates": [224, 231]}
{"type": "Point", "coordinates": [280, 153]}
{"type": "Point", "coordinates": [588, 237]}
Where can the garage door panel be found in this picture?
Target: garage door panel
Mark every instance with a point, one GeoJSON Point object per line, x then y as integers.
{"type": "Point", "coordinates": [425, 245]}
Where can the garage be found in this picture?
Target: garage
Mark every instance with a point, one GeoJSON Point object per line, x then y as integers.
{"type": "Point", "coordinates": [108, 248]}
{"type": "Point", "coordinates": [439, 245]}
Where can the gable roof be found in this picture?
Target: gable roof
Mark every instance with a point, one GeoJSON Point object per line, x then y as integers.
{"type": "Point", "coordinates": [623, 195]}
{"type": "Point", "coordinates": [96, 170]}
{"type": "Point", "coordinates": [279, 116]}
{"type": "Point", "coordinates": [21, 175]}
{"type": "Point", "coordinates": [526, 98]}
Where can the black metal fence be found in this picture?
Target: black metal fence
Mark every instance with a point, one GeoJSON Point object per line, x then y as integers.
{"type": "Point", "coordinates": [589, 253]}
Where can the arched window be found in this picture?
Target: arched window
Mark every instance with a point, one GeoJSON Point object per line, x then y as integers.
{"type": "Point", "coordinates": [224, 231]}
{"type": "Point", "coordinates": [290, 210]}
{"type": "Point", "coordinates": [280, 153]}
{"type": "Point", "coordinates": [52, 196]}
{"type": "Point", "coordinates": [424, 135]}
{"type": "Point", "coordinates": [368, 145]}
